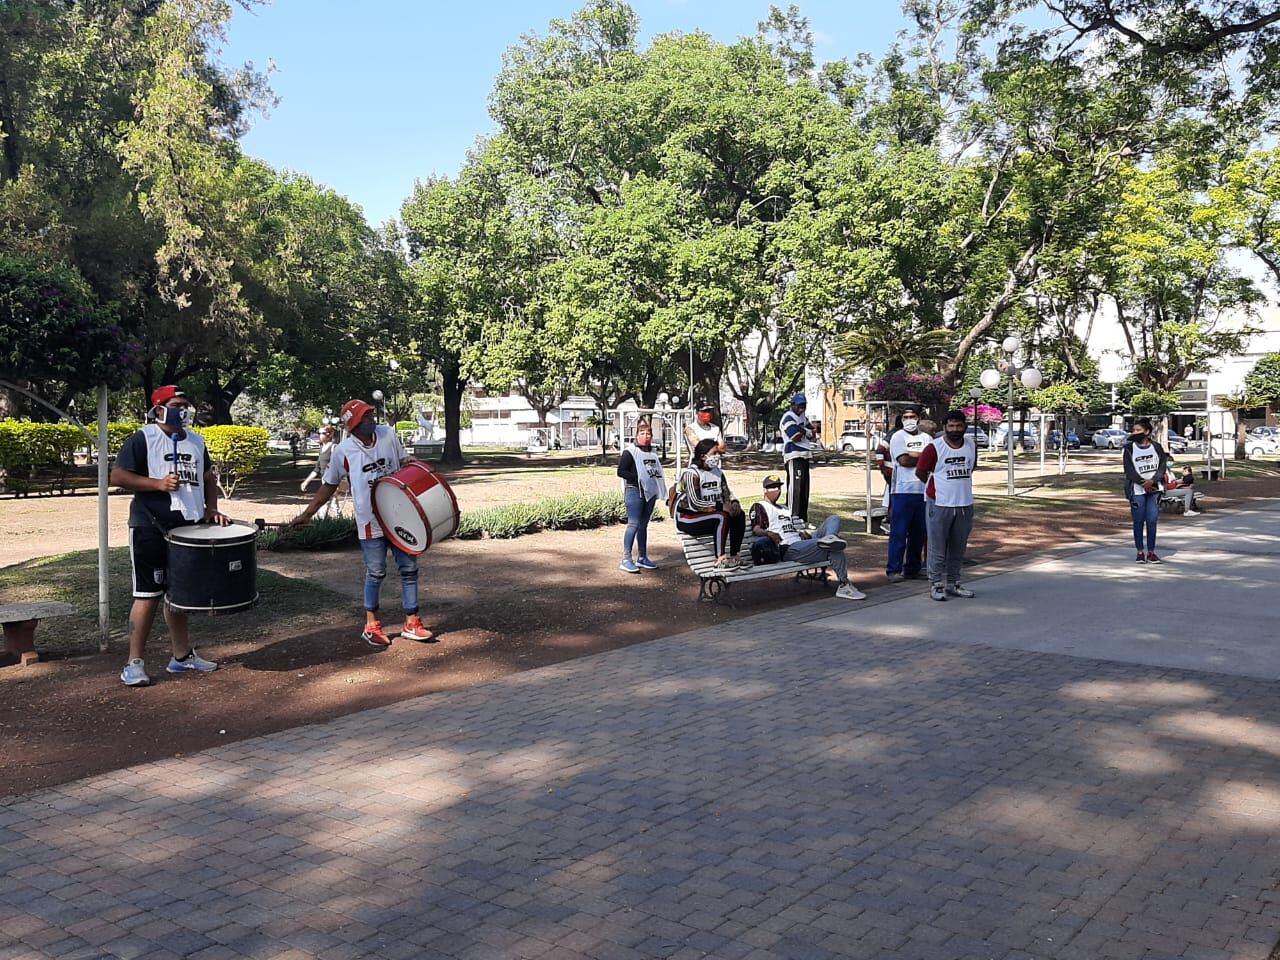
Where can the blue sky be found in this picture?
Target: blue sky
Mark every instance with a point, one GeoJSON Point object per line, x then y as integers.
{"type": "Point", "coordinates": [376, 95]}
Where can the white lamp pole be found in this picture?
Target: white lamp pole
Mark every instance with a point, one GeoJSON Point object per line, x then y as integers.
{"type": "Point", "coordinates": [1030, 378]}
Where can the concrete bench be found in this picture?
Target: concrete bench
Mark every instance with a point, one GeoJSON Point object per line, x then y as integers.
{"type": "Point", "coordinates": [19, 621]}
{"type": "Point", "coordinates": [879, 517]}
{"type": "Point", "coordinates": [714, 582]}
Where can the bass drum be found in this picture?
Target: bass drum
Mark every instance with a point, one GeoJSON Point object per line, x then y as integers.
{"type": "Point", "coordinates": [213, 569]}
{"type": "Point", "coordinates": [415, 507]}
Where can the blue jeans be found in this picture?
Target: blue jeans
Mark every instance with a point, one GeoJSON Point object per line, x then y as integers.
{"type": "Point", "coordinates": [1146, 511]}
{"type": "Point", "coordinates": [375, 569]}
{"type": "Point", "coordinates": [907, 533]}
{"type": "Point", "coordinates": [639, 510]}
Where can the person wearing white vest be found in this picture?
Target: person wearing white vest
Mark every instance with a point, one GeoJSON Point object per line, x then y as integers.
{"type": "Point", "coordinates": [1145, 463]}
{"type": "Point", "coordinates": [945, 467]}
{"type": "Point", "coordinates": [706, 507]}
{"type": "Point", "coordinates": [167, 468]}
{"type": "Point", "coordinates": [369, 453]}
{"type": "Point", "coordinates": [907, 530]}
{"type": "Point", "coordinates": [781, 533]}
{"type": "Point", "coordinates": [703, 427]}
{"type": "Point", "coordinates": [643, 485]}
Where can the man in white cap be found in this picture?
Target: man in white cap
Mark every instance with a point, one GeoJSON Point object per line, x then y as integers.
{"type": "Point", "coordinates": [775, 529]}
{"type": "Point", "coordinates": [798, 441]}
{"type": "Point", "coordinates": [369, 453]}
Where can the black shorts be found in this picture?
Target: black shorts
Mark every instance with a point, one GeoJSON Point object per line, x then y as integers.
{"type": "Point", "coordinates": [149, 558]}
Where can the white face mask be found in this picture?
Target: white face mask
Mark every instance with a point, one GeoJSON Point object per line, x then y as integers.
{"type": "Point", "coordinates": [911, 426]}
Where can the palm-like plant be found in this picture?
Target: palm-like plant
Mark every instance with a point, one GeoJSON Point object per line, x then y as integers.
{"type": "Point", "coordinates": [886, 347]}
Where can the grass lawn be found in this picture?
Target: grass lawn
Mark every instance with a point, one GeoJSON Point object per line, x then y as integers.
{"type": "Point", "coordinates": [73, 578]}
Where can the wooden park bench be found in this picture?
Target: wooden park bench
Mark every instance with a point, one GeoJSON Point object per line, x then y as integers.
{"type": "Point", "coordinates": [19, 621]}
{"type": "Point", "coordinates": [714, 582]}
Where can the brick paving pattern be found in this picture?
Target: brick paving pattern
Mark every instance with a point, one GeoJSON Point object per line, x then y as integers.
{"type": "Point", "coordinates": [759, 791]}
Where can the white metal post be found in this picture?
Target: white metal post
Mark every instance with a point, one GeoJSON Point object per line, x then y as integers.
{"type": "Point", "coordinates": [866, 433]}
{"type": "Point", "coordinates": [104, 587]}
{"type": "Point", "coordinates": [1008, 434]}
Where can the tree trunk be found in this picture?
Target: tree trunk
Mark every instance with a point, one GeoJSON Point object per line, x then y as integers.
{"type": "Point", "coordinates": [708, 373]}
{"type": "Point", "coordinates": [1242, 436]}
{"type": "Point", "coordinates": [453, 386]}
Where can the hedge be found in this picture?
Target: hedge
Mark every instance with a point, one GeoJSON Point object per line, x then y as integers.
{"type": "Point", "coordinates": [579, 511]}
{"type": "Point", "coordinates": [235, 452]}
{"type": "Point", "coordinates": [317, 535]}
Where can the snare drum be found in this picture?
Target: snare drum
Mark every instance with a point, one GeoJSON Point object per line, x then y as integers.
{"type": "Point", "coordinates": [213, 569]}
{"type": "Point", "coordinates": [415, 508]}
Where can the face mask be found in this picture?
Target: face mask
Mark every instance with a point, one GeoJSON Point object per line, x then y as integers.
{"type": "Point", "coordinates": [177, 417]}
{"type": "Point", "coordinates": [911, 426]}
{"type": "Point", "coordinates": [704, 418]}
{"type": "Point", "coordinates": [364, 429]}
{"type": "Point", "coordinates": [1140, 438]}
{"type": "Point", "coordinates": [644, 444]}
{"type": "Point", "coordinates": [955, 436]}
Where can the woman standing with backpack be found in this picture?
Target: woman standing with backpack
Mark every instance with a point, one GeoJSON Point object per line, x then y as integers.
{"type": "Point", "coordinates": [1145, 463]}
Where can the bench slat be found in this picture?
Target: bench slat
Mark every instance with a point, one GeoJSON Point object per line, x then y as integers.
{"type": "Point", "coordinates": [701, 557]}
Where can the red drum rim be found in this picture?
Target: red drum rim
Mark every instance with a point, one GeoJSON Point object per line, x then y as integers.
{"type": "Point", "coordinates": [426, 523]}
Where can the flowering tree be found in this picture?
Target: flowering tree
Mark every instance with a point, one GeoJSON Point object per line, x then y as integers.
{"type": "Point", "coordinates": [929, 390]}
{"type": "Point", "coordinates": [984, 413]}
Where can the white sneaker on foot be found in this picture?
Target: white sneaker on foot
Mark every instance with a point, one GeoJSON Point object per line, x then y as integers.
{"type": "Point", "coordinates": [1191, 513]}
{"type": "Point", "coordinates": [134, 674]}
{"type": "Point", "coordinates": [831, 542]}
{"type": "Point", "coordinates": [847, 591]}
{"type": "Point", "coordinates": [956, 590]}
{"type": "Point", "coordinates": [191, 663]}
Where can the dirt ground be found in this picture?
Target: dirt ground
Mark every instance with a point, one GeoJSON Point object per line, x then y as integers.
{"type": "Point", "coordinates": [497, 607]}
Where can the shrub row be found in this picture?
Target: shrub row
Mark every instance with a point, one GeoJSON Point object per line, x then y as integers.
{"type": "Point", "coordinates": [26, 444]}
{"type": "Point", "coordinates": [317, 535]}
{"type": "Point", "coordinates": [579, 511]}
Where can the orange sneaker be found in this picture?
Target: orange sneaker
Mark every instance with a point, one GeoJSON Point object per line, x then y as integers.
{"type": "Point", "coordinates": [374, 636]}
{"type": "Point", "coordinates": [415, 629]}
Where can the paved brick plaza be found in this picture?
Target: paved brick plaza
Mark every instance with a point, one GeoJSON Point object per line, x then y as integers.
{"type": "Point", "coordinates": [747, 791]}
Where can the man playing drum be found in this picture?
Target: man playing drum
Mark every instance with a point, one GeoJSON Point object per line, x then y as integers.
{"type": "Point", "coordinates": [369, 453]}
{"type": "Point", "coordinates": [167, 468]}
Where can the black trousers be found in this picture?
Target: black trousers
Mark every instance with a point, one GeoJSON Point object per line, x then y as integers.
{"type": "Point", "coordinates": [720, 525]}
{"type": "Point", "coordinates": [798, 488]}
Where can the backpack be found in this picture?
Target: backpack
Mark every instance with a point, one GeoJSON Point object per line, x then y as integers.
{"type": "Point", "coordinates": [764, 550]}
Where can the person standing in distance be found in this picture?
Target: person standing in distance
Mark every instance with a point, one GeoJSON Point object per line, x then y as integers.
{"type": "Point", "coordinates": [643, 485]}
{"type": "Point", "coordinates": [907, 531]}
{"type": "Point", "coordinates": [772, 523]}
{"type": "Point", "coordinates": [1145, 463]}
{"type": "Point", "coordinates": [167, 468]}
{"type": "Point", "coordinates": [369, 453]}
{"type": "Point", "coordinates": [946, 467]}
{"type": "Point", "coordinates": [704, 427]}
{"type": "Point", "coordinates": [798, 441]}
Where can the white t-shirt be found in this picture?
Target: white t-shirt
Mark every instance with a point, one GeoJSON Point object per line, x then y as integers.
{"type": "Point", "coordinates": [696, 432]}
{"type": "Point", "coordinates": [365, 466]}
{"type": "Point", "coordinates": [904, 478]}
{"type": "Point", "coordinates": [1146, 460]}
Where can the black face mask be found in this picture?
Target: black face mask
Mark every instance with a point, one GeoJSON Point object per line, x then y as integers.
{"type": "Point", "coordinates": [1141, 437]}
{"type": "Point", "coordinates": [955, 436]}
{"type": "Point", "coordinates": [364, 429]}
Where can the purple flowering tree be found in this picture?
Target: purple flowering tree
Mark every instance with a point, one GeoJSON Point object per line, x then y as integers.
{"type": "Point", "coordinates": [984, 414]}
{"type": "Point", "coordinates": [929, 390]}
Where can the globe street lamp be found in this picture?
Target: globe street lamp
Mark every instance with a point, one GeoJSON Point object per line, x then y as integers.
{"type": "Point", "coordinates": [382, 412]}
{"type": "Point", "coordinates": [1029, 377]}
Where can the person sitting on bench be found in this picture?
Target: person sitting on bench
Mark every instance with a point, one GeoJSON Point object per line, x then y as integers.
{"type": "Point", "coordinates": [1182, 487]}
{"type": "Point", "coordinates": [705, 506]}
{"type": "Point", "coordinates": [776, 529]}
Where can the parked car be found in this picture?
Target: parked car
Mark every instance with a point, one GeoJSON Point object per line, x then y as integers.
{"type": "Point", "coordinates": [1262, 445]}
{"type": "Point", "coordinates": [1055, 440]}
{"type": "Point", "coordinates": [852, 440]}
{"type": "Point", "coordinates": [1177, 444]}
{"type": "Point", "coordinates": [735, 441]}
{"type": "Point", "coordinates": [1265, 432]}
{"type": "Point", "coordinates": [981, 439]}
{"type": "Point", "coordinates": [1109, 438]}
{"type": "Point", "coordinates": [1026, 438]}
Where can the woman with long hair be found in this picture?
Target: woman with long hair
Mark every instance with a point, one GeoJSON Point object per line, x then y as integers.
{"type": "Point", "coordinates": [1145, 463]}
{"type": "Point", "coordinates": [706, 506]}
{"type": "Point", "coordinates": [643, 484]}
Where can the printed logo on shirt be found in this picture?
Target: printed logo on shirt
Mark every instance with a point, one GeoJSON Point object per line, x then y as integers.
{"type": "Point", "coordinates": [956, 467]}
{"type": "Point", "coordinates": [184, 467]}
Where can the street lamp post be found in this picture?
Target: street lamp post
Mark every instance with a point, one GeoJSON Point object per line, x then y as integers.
{"type": "Point", "coordinates": [1030, 378]}
{"type": "Point", "coordinates": [382, 411]}
{"type": "Point", "coordinates": [974, 394]}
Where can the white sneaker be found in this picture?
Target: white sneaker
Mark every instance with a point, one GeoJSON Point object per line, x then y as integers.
{"type": "Point", "coordinates": [134, 674]}
{"type": "Point", "coordinates": [956, 590]}
{"type": "Point", "coordinates": [831, 542]}
{"type": "Point", "coordinates": [1191, 513]}
{"type": "Point", "coordinates": [194, 663]}
{"type": "Point", "coordinates": [847, 591]}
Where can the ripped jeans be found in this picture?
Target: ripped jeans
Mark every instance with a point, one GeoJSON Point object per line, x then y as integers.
{"type": "Point", "coordinates": [375, 569]}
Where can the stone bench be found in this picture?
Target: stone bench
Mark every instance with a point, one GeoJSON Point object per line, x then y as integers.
{"type": "Point", "coordinates": [19, 621]}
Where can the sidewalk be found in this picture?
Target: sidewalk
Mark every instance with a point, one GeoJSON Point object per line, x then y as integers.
{"type": "Point", "coordinates": [904, 779]}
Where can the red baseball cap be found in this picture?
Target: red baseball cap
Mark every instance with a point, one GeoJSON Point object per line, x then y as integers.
{"type": "Point", "coordinates": [162, 395]}
{"type": "Point", "coordinates": [353, 412]}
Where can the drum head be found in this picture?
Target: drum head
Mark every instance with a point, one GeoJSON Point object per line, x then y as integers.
{"type": "Point", "coordinates": [210, 534]}
{"type": "Point", "coordinates": [398, 515]}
